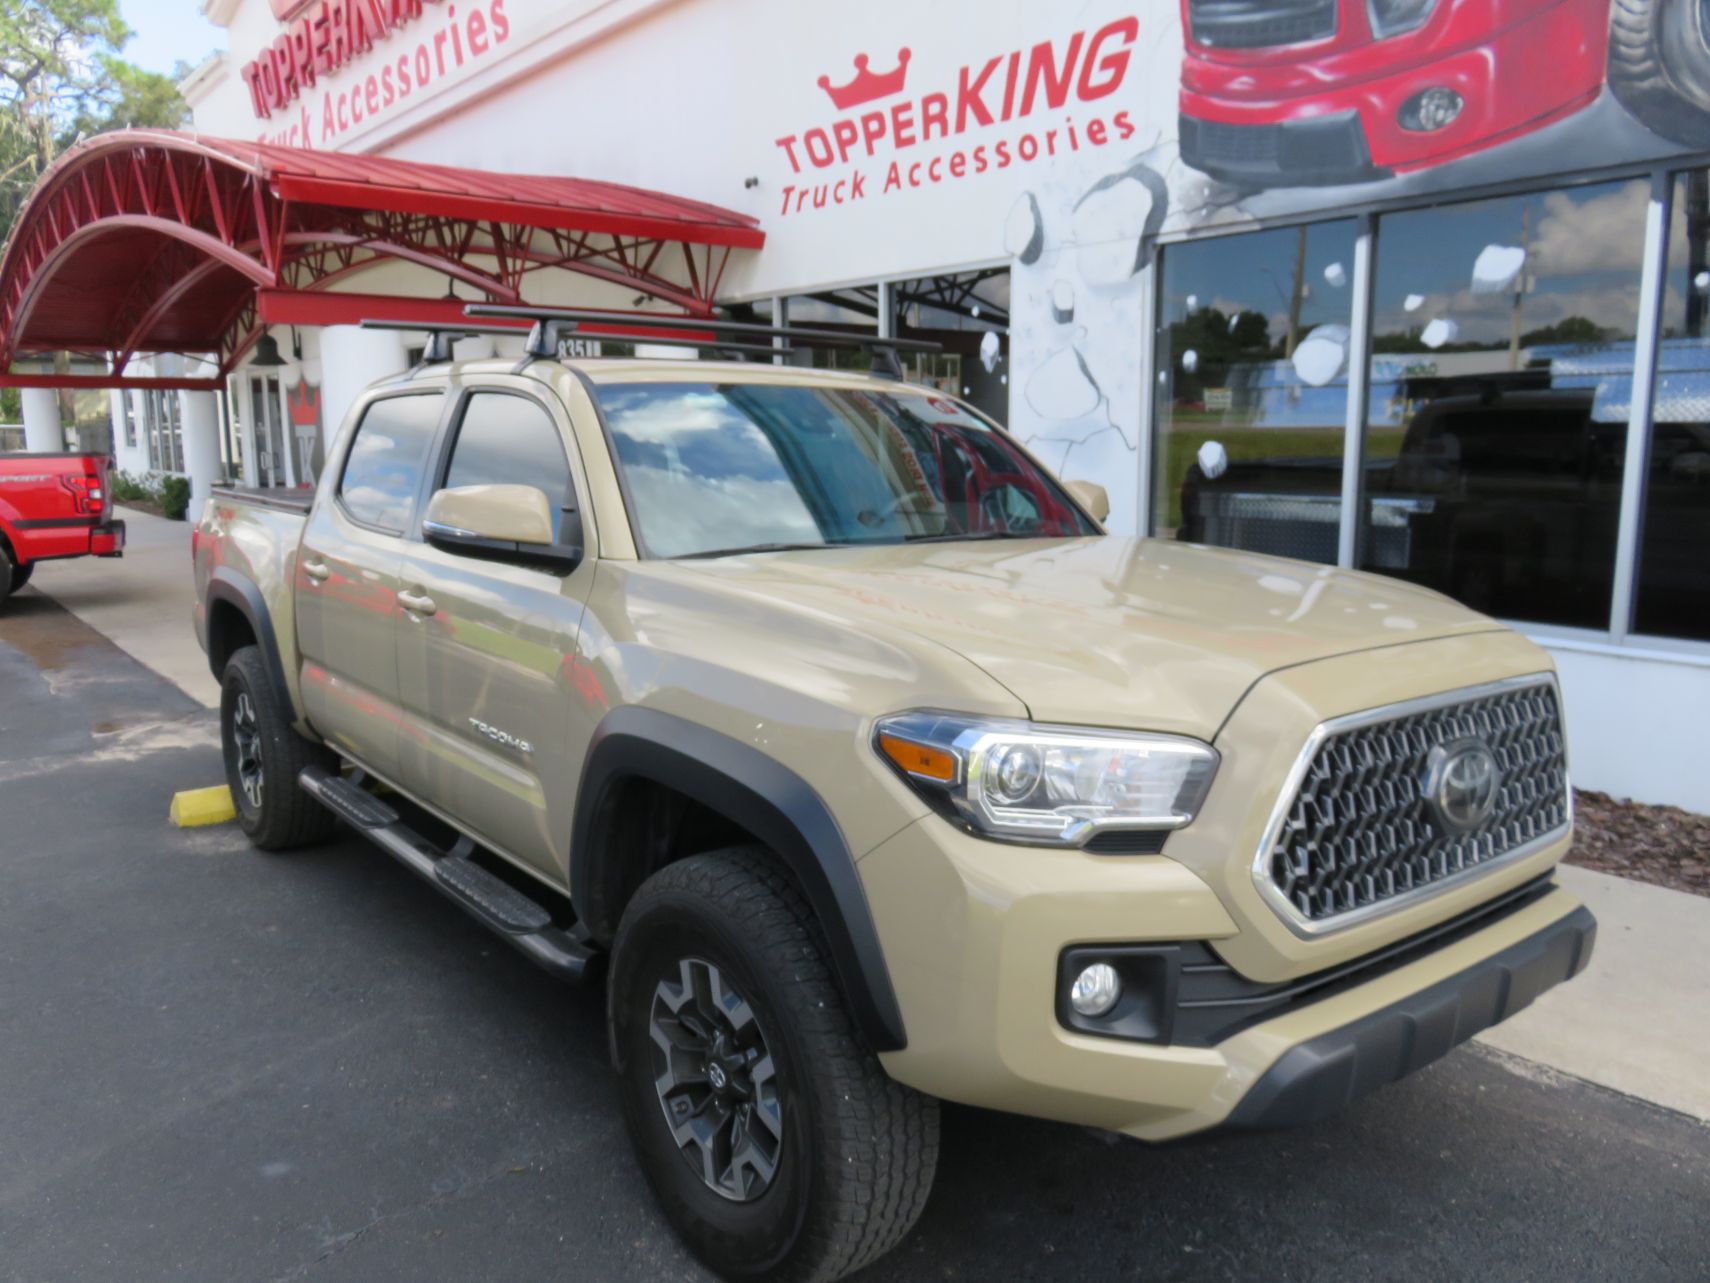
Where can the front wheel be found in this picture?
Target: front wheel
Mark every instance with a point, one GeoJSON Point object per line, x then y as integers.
{"type": "Point", "coordinates": [778, 1146]}
{"type": "Point", "coordinates": [264, 755]}
{"type": "Point", "coordinates": [1659, 66]}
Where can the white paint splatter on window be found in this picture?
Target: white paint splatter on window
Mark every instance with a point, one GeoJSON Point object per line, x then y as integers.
{"type": "Point", "coordinates": [1321, 355]}
{"type": "Point", "coordinates": [1213, 460]}
{"type": "Point", "coordinates": [1440, 331]}
{"type": "Point", "coordinates": [1496, 267]}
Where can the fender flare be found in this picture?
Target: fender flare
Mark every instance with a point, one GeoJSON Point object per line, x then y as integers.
{"type": "Point", "coordinates": [226, 585]}
{"type": "Point", "coordinates": [771, 802]}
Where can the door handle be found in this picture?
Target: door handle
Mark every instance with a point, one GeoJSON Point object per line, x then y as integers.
{"type": "Point", "coordinates": [316, 570]}
{"type": "Point", "coordinates": [417, 603]}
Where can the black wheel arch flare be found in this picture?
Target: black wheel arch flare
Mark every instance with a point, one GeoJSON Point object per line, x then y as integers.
{"type": "Point", "coordinates": [227, 587]}
{"type": "Point", "coordinates": [773, 803]}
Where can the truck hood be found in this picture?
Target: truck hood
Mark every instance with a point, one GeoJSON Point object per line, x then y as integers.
{"type": "Point", "coordinates": [1106, 631]}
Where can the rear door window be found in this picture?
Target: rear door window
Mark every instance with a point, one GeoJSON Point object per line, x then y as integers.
{"type": "Point", "coordinates": [507, 440]}
{"type": "Point", "coordinates": [388, 455]}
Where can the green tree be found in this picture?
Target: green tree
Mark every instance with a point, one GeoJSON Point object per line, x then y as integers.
{"type": "Point", "coordinates": [1570, 329]}
{"type": "Point", "coordinates": [61, 77]}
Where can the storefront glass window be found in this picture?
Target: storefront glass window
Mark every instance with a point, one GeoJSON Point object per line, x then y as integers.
{"type": "Point", "coordinates": [164, 429]}
{"type": "Point", "coordinates": [854, 309]}
{"type": "Point", "coordinates": [966, 313]}
{"type": "Point", "coordinates": [1501, 369]}
{"type": "Point", "coordinates": [1252, 396]}
{"type": "Point", "coordinates": [1673, 589]}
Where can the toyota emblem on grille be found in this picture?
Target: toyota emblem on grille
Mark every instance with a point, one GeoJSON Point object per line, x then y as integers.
{"type": "Point", "coordinates": [1461, 783]}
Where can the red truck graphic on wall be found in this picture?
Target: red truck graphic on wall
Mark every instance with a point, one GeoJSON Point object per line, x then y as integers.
{"type": "Point", "coordinates": [1324, 92]}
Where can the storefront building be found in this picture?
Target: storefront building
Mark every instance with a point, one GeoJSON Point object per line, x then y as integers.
{"type": "Point", "coordinates": [1417, 286]}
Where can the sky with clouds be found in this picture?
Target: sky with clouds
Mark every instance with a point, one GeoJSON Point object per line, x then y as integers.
{"type": "Point", "coordinates": [168, 31]}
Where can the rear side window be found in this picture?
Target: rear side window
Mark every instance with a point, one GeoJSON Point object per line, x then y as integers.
{"type": "Point", "coordinates": [511, 441]}
{"type": "Point", "coordinates": [384, 468]}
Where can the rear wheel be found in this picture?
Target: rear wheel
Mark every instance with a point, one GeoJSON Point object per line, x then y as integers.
{"type": "Point", "coordinates": [777, 1145]}
{"type": "Point", "coordinates": [21, 574]}
{"type": "Point", "coordinates": [1659, 66]}
{"type": "Point", "coordinates": [7, 574]}
{"type": "Point", "coordinates": [264, 756]}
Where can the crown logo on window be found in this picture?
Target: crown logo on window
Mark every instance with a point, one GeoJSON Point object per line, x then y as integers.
{"type": "Point", "coordinates": [303, 404]}
{"type": "Point", "coordinates": [867, 85]}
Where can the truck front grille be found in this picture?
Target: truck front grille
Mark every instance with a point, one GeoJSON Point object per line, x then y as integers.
{"type": "Point", "coordinates": [1260, 24]}
{"type": "Point", "coordinates": [1388, 805]}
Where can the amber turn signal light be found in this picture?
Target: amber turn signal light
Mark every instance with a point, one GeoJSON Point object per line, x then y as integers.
{"type": "Point", "coordinates": [919, 760]}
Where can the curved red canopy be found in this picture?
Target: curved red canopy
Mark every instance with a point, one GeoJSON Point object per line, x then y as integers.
{"type": "Point", "coordinates": [155, 241]}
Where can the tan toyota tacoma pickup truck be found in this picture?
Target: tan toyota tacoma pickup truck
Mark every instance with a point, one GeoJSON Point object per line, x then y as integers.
{"type": "Point", "coordinates": [817, 717]}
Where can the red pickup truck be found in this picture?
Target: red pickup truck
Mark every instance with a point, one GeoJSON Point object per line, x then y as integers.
{"type": "Point", "coordinates": [1285, 93]}
{"type": "Point", "coordinates": [53, 506]}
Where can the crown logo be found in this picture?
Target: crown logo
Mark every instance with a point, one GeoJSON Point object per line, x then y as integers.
{"type": "Point", "coordinates": [867, 86]}
{"type": "Point", "coordinates": [303, 403]}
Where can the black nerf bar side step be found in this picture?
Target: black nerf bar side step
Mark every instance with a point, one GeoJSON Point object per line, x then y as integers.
{"type": "Point", "coordinates": [522, 921]}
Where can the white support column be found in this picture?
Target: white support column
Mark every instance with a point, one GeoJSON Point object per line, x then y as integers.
{"type": "Point", "coordinates": [42, 434]}
{"type": "Point", "coordinates": [351, 359]}
{"type": "Point", "coordinates": [200, 415]}
{"type": "Point", "coordinates": [1647, 339]}
{"type": "Point", "coordinates": [1352, 515]}
{"type": "Point", "coordinates": [1146, 439]}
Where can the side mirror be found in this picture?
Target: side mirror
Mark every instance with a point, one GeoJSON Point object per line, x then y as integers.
{"type": "Point", "coordinates": [502, 523]}
{"type": "Point", "coordinates": [1091, 496]}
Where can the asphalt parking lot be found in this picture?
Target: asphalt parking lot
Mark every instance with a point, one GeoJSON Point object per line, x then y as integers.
{"type": "Point", "coordinates": [220, 1065]}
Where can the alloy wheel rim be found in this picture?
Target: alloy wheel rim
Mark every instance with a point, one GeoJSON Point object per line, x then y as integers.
{"type": "Point", "coordinates": [716, 1081]}
{"type": "Point", "coordinates": [246, 737]}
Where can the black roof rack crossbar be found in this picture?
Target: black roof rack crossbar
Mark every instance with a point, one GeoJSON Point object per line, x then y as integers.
{"type": "Point", "coordinates": [713, 324]}
{"type": "Point", "coordinates": [441, 334]}
{"type": "Point", "coordinates": [715, 345]}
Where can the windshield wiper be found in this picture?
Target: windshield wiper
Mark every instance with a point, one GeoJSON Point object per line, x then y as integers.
{"type": "Point", "coordinates": [760, 547]}
{"type": "Point", "coordinates": [974, 534]}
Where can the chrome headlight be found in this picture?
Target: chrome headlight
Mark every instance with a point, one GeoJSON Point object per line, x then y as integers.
{"type": "Point", "coordinates": [1392, 17]}
{"type": "Point", "coordinates": [1050, 785]}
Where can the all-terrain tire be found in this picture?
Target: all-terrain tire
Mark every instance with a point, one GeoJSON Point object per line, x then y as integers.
{"type": "Point", "coordinates": [255, 729]}
{"type": "Point", "coordinates": [855, 1151]}
{"type": "Point", "coordinates": [20, 574]}
{"type": "Point", "coordinates": [1659, 66]}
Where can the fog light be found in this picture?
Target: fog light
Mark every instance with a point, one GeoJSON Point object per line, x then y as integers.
{"type": "Point", "coordinates": [1430, 109]}
{"type": "Point", "coordinates": [1095, 990]}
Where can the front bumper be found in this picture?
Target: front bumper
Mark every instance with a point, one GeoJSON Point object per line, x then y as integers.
{"type": "Point", "coordinates": [973, 932]}
{"type": "Point", "coordinates": [1319, 1078]}
{"type": "Point", "coordinates": [1324, 151]}
{"type": "Point", "coordinates": [1329, 114]}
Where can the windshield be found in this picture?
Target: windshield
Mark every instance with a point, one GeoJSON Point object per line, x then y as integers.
{"type": "Point", "coordinates": [726, 467]}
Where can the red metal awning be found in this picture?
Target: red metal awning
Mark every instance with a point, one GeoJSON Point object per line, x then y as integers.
{"type": "Point", "coordinates": [155, 241]}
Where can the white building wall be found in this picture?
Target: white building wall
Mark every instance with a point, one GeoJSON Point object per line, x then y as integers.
{"type": "Point", "coordinates": [1637, 721]}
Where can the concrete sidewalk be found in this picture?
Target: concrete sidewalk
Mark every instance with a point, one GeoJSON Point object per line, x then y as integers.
{"type": "Point", "coordinates": [1637, 1020]}
{"type": "Point", "coordinates": [141, 601]}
